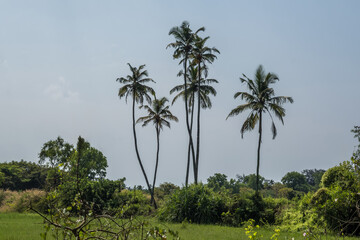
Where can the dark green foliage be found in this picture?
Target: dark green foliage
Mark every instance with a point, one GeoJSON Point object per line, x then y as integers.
{"type": "Point", "coordinates": [250, 181]}
{"type": "Point", "coordinates": [296, 181]}
{"type": "Point", "coordinates": [290, 193]}
{"type": "Point", "coordinates": [131, 203]}
{"type": "Point", "coordinates": [22, 175]}
{"type": "Point", "coordinates": [200, 204]}
{"type": "Point", "coordinates": [219, 182]}
{"type": "Point", "coordinates": [313, 177]}
{"type": "Point", "coordinates": [341, 175]}
{"type": "Point", "coordinates": [165, 189]}
{"type": "Point", "coordinates": [196, 203]}
{"type": "Point", "coordinates": [243, 207]}
{"type": "Point", "coordinates": [99, 194]}
{"type": "Point", "coordinates": [64, 162]}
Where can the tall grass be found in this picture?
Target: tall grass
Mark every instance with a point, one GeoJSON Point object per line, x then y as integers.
{"type": "Point", "coordinates": [18, 201]}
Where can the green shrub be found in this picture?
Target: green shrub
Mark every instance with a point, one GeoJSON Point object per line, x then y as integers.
{"type": "Point", "coordinates": [131, 203]}
{"type": "Point", "coordinates": [197, 204]}
{"type": "Point", "coordinates": [337, 206]}
{"type": "Point", "coordinates": [342, 175]}
{"type": "Point", "coordinates": [253, 206]}
{"type": "Point", "coordinates": [337, 202]}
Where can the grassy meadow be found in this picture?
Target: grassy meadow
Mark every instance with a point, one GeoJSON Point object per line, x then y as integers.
{"type": "Point", "coordinates": [20, 226]}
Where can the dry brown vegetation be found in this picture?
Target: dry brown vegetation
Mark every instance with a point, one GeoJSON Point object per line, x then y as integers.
{"type": "Point", "coordinates": [18, 201]}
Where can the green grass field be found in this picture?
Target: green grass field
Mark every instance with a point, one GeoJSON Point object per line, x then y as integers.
{"type": "Point", "coordinates": [16, 226]}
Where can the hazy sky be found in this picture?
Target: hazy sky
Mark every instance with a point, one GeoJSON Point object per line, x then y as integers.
{"type": "Point", "coordinates": [59, 61]}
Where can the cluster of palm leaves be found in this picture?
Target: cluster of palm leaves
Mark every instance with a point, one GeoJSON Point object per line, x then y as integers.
{"type": "Point", "coordinates": [195, 56]}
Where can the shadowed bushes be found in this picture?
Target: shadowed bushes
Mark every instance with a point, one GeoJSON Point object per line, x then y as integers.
{"type": "Point", "coordinates": [197, 204]}
{"type": "Point", "coordinates": [200, 204]}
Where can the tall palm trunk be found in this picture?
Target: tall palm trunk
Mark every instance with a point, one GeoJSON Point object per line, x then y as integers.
{"type": "Point", "coordinates": [191, 126]}
{"type": "Point", "coordinates": [187, 121]}
{"type": "Point", "coordinates": [258, 154]}
{"type": "Point", "coordinates": [138, 155]}
{"type": "Point", "coordinates": [157, 160]}
{"type": "Point", "coordinates": [198, 122]}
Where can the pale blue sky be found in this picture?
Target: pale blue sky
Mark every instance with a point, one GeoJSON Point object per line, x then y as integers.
{"type": "Point", "coordinates": [59, 61]}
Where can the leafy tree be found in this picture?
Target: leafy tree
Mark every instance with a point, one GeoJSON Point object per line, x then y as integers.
{"type": "Point", "coordinates": [55, 154]}
{"type": "Point", "coordinates": [313, 177]}
{"type": "Point", "coordinates": [201, 55]}
{"type": "Point", "coordinates": [183, 45]}
{"type": "Point", "coordinates": [260, 100]}
{"type": "Point", "coordinates": [134, 85]}
{"type": "Point", "coordinates": [160, 115]}
{"type": "Point", "coordinates": [217, 181]}
{"type": "Point", "coordinates": [251, 181]}
{"type": "Point", "coordinates": [22, 175]}
{"type": "Point", "coordinates": [81, 162]}
{"type": "Point", "coordinates": [296, 181]}
{"type": "Point", "coordinates": [342, 175]}
{"type": "Point", "coordinates": [167, 188]}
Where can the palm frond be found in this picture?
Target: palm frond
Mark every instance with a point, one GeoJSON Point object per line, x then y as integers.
{"type": "Point", "coordinates": [239, 109]}
{"type": "Point", "coordinates": [249, 123]}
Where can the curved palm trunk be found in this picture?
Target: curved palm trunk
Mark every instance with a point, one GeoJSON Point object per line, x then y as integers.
{"type": "Point", "coordinates": [138, 155]}
{"type": "Point", "coordinates": [187, 121]}
{"type": "Point", "coordinates": [198, 124]}
{"type": "Point", "coordinates": [191, 126]}
{"type": "Point", "coordinates": [157, 161]}
{"type": "Point", "coordinates": [258, 154]}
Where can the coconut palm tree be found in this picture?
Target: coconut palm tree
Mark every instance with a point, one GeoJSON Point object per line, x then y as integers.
{"type": "Point", "coordinates": [201, 55]}
{"type": "Point", "coordinates": [134, 85]}
{"type": "Point", "coordinates": [260, 99]}
{"type": "Point", "coordinates": [183, 45]}
{"type": "Point", "coordinates": [160, 115]}
{"type": "Point", "coordinates": [192, 89]}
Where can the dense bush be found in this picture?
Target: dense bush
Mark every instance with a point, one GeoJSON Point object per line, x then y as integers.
{"type": "Point", "coordinates": [337, 202]}
{"type": "Point", "coordinates": [243, 207]}
{"type": "Point", "coordinates": [200, 204]}
{"type": "Point", "coordinates": [131, 202]}
{"type": "Point", "coordinates": [100, 194]}
{"type": "Point", "coordinates": [164, 190]}
{"type": "Point", "coordinates": [197, 203]}
{"type": "Point", "coordinates": [22, 175]}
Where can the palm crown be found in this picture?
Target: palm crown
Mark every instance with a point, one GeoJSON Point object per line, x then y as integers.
{"type": "Point", "coordinates": [260, 98]}
{"type": "Point", "coordinates": [202, 53]}
{"type": "Point", "coordinates": [184, 39]}
{"type": "Point", "coordinates": [135, 85]}
{"type": "Point", "coordinates": [158, 113]}
{"type": "Point", "coordinates": [192, 88]}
